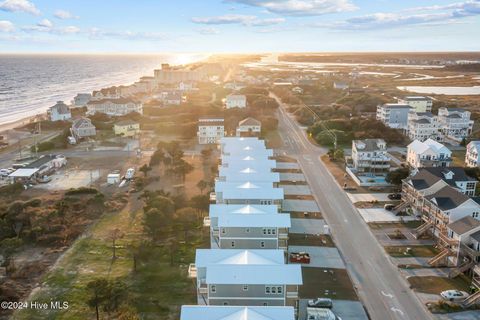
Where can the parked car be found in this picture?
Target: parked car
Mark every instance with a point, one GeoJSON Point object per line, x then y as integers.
{"type": "Point", "coordinates": [389, 207]}
{"type": "Point", "coordinates": [299, 257]}
{"type": "Point", "coordinates": [320, 303]}
{"type": "Point", "coordinates": [454, 295]}
{"type": "Point", "coordinates": [395, 196]}
{"type": "Point", "coordinates": [321, 314]}
{"type": "Point", "coordinates": [4, 172]}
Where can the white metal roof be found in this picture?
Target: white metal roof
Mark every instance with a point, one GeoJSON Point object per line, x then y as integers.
{"type": "Point", "coordinates": [253, 193]}
{"type": "Point", "coordinates": [288, 274]}
{"type": "Point", "coordinates": [255, 220]}
{"type": "Point", "coordinates": [208, 257]}
{"type": "Point", "coordinates": [224, 185]}
{"type": "Point", "coordinates": [23, 173]}
{"type": "Point", "coordinates": [263, 164]}
{"type": "Point", "coordinates": [236, 313]}
{"type": "Point", "coordinates": [257, 150]}
{"type": "Point", "coordinates": [249, 174]}
{"type": "Point", "coordinates": [217, 210]}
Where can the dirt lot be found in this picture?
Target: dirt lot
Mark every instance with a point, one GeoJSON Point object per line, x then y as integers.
{"type": "Point", "coordinates": [295, 239]}
{"type": "Point", "coordinates": [436, 285]}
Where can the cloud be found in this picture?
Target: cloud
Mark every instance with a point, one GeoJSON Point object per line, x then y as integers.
{"type": "Point", "coordinates": [300, 7]}
{"type": "Point", "coordinates": [237, 19]}
{"type": "Point", "coordinates": [68, 30]}
{"type": "Point", "coordinates": [225, 19]}
{"type": "Point", "coordinates": [45, 23]}
{"type": "Point", "coordinates": [208, 31]}
{"type": "Point", "coordinates": [451, 13]}
{"type": "Point", "coordinates": [6, 26]}
{"type": "Point", "coordinates": [96, 33]}
{"type": "Point", "coordinates": [19, 6]}
{"type": "Point", "coordinates": [64, 15]}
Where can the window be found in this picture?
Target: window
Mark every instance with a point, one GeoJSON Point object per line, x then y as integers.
{"type": "Point", "coordinates": [233, 244]}
{"type": "Point", "coordinates": [471, 185]}
{"type": "Point", "coordinates": [262, 244]}
{"type": "Point", "coordinates": [267, 289]}
{"type": "Point", "coordinates": [274, 231]}
{"type": "Point", "coordinates": [225, 303]}
{"type": "Point", "coordinates": [245, 287]}
{"type": "Point", "coordinates": [265, 304]}
{"type": "Point", "coordinates": [269, 231]}
{"type": "Point", "coordinates": [475, 215]}
{"type": "Point", "coordinates": [213, 288]}
{"type": "Point", "coordinates": [279, 289]}
{"type": "Point", "coordinates": [247, 230]}
{"type": "Point", "coordinates": [223, 230]}
{"type": "Point", "coordinates": [264, 231]}
{"type": "Point", "coordinates": [274, 290]}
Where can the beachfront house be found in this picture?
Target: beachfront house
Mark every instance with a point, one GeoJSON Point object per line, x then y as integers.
{"type": "Point", "coordinates": [114, 107]}
{"type": "Point", "coordinates": [393, 115]}
{"type": "Point", "coordinates": [83, 128]}
{"type": "Point", "coordinates": [418, 103]}
{"type": "Point", "coordinates": [370, 156]}
{"type": "Point", "coordinates": [210, 130]}
{"type": "Point", "coordinates": [455, 124]}
{"type": "Point", "coordinates": [472, 158]}
{"type": "Point", "coordinates": [249, 127]}
{"type": "Point", "coordinates": [107, 93]}
{"type": "Point", "coordinates": [423, 126]}
{"type": "Point", "coordinates": [245, 277]}
{"type": "Point", "coordinates": [126, 128]}
{"type": "Point", "coordinates": [247, 193]}
{"type": "Point", "coordinates": [59, 112]}
{"type": "Point", "coordinates": [237, 313]}
{"type": "Point", "coordinates": [81, 99]}
{"type": "Point", "coordinates": [235, 101]}
{"type": "Point", "coordinates": [429, 153]}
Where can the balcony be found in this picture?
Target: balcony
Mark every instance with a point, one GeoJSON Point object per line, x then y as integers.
{"type": "Point", "coordinates": [292, 294]}
{"type": "Point", "coordinates": [206, 221]}
{"type": "Point", "coordinates": [203, 288]}
{"type": "Point", "coordinates": [283, 235]}
{"type": "Point", "coordinates": [192, 270]}
{"type": "Point", "coordinates": [213, 196]}
{"type": "Point", "coordinates": [465, 249]}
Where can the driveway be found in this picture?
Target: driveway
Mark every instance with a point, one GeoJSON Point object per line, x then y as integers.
{"type": "Point", "coordinates": [381, 215]}
{"type": "Point", "coordinates": [356, 197]}
{"type": "Point", "coordinates": [294, 177]}
{"type": "Point", "coordinates": [308, 226]}
{"type": "Point", "coordinates": [300, 206]}
{"type": "Point", "coordinates": [320, 257]}
{"type": "Point", "coordinates": [287, 166]}
{"type": "Point", "coordinates": [296, 190]}
{"type": "Point", "coordinates": [345, 309]}
{"type": "Point", "coordinates": [426, 272]}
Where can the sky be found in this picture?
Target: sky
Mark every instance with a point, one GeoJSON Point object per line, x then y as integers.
{"type": "Point", "coordinates": [152, 26]}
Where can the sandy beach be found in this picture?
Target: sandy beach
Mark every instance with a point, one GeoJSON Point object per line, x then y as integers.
{"type": "Point", "coordinates": [16, 124]}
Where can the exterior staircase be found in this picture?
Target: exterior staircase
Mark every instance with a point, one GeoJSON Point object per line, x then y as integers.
{"type": "Point", "coordinates": [472, 299]}
{"type": "Point", "coordinates": [461, 269]}
{"type": "Point", "coordinates": [422, 229]}
{"type": "Point", "coordinates": [400, 207]}
{"type": "Point", "coordinates": [439, 257]}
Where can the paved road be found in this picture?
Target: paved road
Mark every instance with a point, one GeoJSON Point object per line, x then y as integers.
{"type": "Point", "coordinates": [380, 286]}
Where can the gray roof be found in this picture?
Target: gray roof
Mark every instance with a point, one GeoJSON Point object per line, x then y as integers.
{"type": "Point", "coordinates": [41, 161]}
{"type": "Point", "coordinates": [416, 98]}
{"type": "Point", "coordinates": [428, 176]}
{"type": "Point", "coordinates": [454, 116]}
{"type": "Point", "coordinates": [448, 198]}
{"type": "Point", "coordinates": [370, 144]}
{"type": "Point", "coordinates": [476, 236]}
{"type": "Point", "coordinates": [396, 106]}
{"type": "Point", "coordinates": [422, 121]}
{"type": "Point", "coordinates": [115, 101]}
{"type": "Point", "coordinates": [61, 107]}
{"type": "Point", "coordinates": [466, 224]}
{"type": "Point", "coordinates": [79, 122]}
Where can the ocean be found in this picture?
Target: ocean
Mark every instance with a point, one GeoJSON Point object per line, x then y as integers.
{"type": "Point", "coordinates": [30, 84]}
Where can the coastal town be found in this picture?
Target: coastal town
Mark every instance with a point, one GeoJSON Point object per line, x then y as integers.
{"type": "Point", "coordinates": [275, 186]}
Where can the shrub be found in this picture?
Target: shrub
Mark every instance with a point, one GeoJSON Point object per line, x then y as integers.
{"type": "Point", "coordinates": [81, 190]}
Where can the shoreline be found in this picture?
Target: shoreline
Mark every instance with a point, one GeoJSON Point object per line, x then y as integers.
{"type": "Point", "coordinates": [5, 127]}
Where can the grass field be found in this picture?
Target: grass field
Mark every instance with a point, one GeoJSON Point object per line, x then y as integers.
{"type": "Point", "coordinates": [415, 251]}
{"type": "Point", "coordinates": [436, 285]}
{"type": "Point", "coordinates": [328, 283]}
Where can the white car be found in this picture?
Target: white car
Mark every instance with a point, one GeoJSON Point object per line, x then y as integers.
{"type": "Point", "coordinates": [454, 295]}
{"type": "Point", "coordinates": [4, 172]}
